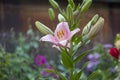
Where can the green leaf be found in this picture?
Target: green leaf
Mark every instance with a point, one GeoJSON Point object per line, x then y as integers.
{"type": "Point", "coordinates": [51, 13]}
{"type": "Point", "coordinates": [74, 75]}
{"type": "Point", "coordinates": [62, 77]}
{"type": "Point", "coordinates": [67, 60]}
{"type": "Point", "coordinates": [78, 39]}
{"type": "Point", "coordinates": [81, 56]}
{"type": "Point", "coordinates": [77, 9]}
{"type": "Point", "coordinates": [80, 72]}
{"type": "Point", "coordinates": [75, 25]}
{"type": "Point", "coordinates": [95, 75]}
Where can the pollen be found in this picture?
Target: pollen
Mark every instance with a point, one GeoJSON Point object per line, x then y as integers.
{"type": "Point", "coordinates": [60, 34]}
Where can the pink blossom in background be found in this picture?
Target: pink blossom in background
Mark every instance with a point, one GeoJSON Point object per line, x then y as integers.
{"type": "Point", "coordinates": [40, 60]}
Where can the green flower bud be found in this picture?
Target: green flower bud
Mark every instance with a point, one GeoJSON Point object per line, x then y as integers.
{"type": "Point", "coordinates": [54, 4]}
{"type": "Point", "coordinates": [86, 5]}
{"type": "Point", "coordinates": [61, 18]}
{"type": "Point", "coordinates": [71, 2]}
{"type": "Point", "coordinates": [69, 13]}
{"type": "Point", "coordinates": [94, 19]}
{"type": "Point", "coordinates": [51, 13]}
{"type": "Point", "coordinates": [96, 28]}
{"type": "Point", "coordinates": [87, 28]}
{"type": "Point", "coordinates": [42, 28]}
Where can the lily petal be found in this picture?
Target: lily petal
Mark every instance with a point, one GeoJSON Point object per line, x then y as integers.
{"type": "Point", "coordinates": [49, 38]}
{"type": "Point", "coordinates": [62, 31]}
{"type": "Point", "coordinates": [74, 32]}
{"type": "Point", "coordinates": [63, 43]}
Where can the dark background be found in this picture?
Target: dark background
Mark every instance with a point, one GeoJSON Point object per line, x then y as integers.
{"type": "Point", "coordinates": [19, 14]}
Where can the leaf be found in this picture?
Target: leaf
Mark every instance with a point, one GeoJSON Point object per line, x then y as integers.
{"type": "Point", "coordinates": [74, 76]}
{"type": "Point", "coordinates": [79, 39]}
{"type": "Point", "coordinates": [62, 76]}
{"type": "Point", "coordinates": [95, 75]}
{"type": "Point", "coordinates": [67, 61]}
{"type": "Point", "coordinates": [75, 25]}
{"type": "Point", "coordinates": [80, 72]}
{"type": "Point", "coordinates": [81, 56]}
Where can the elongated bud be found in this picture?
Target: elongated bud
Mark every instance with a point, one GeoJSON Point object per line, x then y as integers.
{"type": "Point", "coordinates": [87, 28]}
{"type": "Point", "coordinates": [42, 28]}
{"type": "Point", "coordinates": [51, 13]}
{"type": "Point", "coordinates": [54, 4]}
{"type": "Point", "coordinates": [71, 2]}
{"type": "Point", "coordinates": [96, 28]}
{"type": "Point", "coordinates": [61, 18]}
{"type": "Point", "coordinates": [86, 5]}
{"type": "Point", "coordinates": [69, 13]}
{"type": "Point", "coordinates": [94, 19]}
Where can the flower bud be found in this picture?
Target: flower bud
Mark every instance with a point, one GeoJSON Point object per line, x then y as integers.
{"type": "Point", "coordinates": [86, 5]}
{"type": "Point", "coordinates": [94, 19]}
{"type": "Point", "coordinates": [117, 44]}
{"type": "Point", "coordinates": [114, 53]}
{"type": "Point", "coordinates": [69, 13]}
{"type": "Point", "coordinates": [43, 29]}
{"type": "Point", "coordinates": [87, 28]}
{"type": "Point", "coordinates": [51, 13]}
{"type": "Point", "coordinates": [71, 2]}
{"type": "Point", "coordinates": [61, 18]}
{"type": "Point", "coordinates": [96, 28]}
{"type": "Point", "coordinates": [54, 4]}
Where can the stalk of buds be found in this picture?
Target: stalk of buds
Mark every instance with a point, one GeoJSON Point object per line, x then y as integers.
{"type": "Point", "coordinates": [96, 28]}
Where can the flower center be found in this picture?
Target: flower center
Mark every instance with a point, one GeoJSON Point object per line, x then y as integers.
{"type": "Point", "coordinates": [60, 34]}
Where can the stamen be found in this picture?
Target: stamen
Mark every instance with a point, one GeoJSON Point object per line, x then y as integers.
{"type": "Point", "coordinates": [60, 34]}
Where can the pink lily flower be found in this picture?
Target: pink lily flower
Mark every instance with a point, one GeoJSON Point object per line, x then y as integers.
{"type": "Point", "coordinates": [62, 35]}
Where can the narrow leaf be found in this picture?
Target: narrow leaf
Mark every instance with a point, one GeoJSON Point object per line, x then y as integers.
{"type": "Point", "coordinates": [80, 72]}
{"type": "Point", "coordinates": [62, 77]}
{"type": "Point", "coordinates": [67, 61]}
{"type": "Point", "coordinates": [81, 56]}
{"type": "Point", "coordinates": [95, 75]}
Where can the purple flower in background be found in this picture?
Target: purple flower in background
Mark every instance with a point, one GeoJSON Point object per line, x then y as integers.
{"type": "Point", "coordinates": [93, 59]}
{"type": "Point", "coordinates": [40, 60]}
{"type": "Point", "coordinates": [108, 46]}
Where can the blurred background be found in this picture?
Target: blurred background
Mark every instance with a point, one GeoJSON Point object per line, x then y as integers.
{"type": "Point", "coordinates": [19, 36]}
{"type": "Point", "coordinates": [20, 14]}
